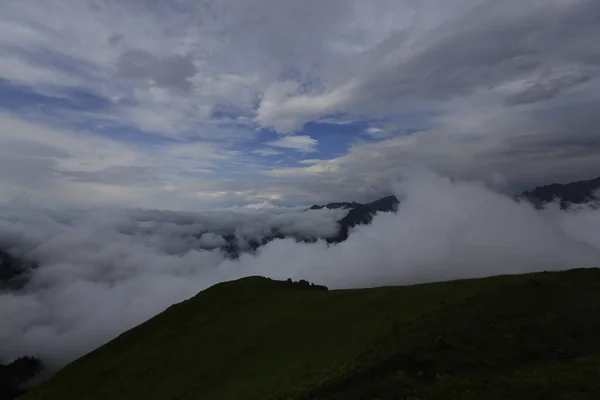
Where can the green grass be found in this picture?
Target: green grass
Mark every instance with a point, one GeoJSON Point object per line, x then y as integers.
{"type": "Point", "coordinates": [529, 337]}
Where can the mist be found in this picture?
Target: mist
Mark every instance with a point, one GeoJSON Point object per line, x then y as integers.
{"type": "Point", "coordinates": [102, 272]}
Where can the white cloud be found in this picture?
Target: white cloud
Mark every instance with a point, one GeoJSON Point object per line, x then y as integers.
{"type": "Point", "coordinates": [19, 71]}
{"type": "Point", "coordinates": [286, 111]}
{"type": "Point", "coordinates": [303, 143]}
{"type": "Point", "coordinates": [71, 168]}
{"type": "Point", "coordinates": [267, 152]}
{"type": "Point", "coordinates": [426, 66]}
{"type": "Point", "coordinates": [318, 167]}
{"type": "Point", "coordinates": [378, 133]}
{"type": "Point", "coordinates": [207, 72]}
{"type": "Point", "coordinates": [97, 43]}
{"type": "Point", "coordinates": [102, 272]}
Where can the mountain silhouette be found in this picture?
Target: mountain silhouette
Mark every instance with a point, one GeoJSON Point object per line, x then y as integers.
{"type": "Point", "coordinates": [13, 271]}
{"type": "Point", "coordinates": [361, 214]}
{"type": "Point", "coordinates": [565, 194]}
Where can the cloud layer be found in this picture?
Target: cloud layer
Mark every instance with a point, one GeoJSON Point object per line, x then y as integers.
{"type": "Point", "coordinates": [102, 272]}
{"type": "Point", "coordinates": [192, 104]}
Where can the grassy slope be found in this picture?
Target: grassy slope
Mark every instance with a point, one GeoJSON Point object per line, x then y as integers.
{"type": "Point", "coordinates": [529, 336]}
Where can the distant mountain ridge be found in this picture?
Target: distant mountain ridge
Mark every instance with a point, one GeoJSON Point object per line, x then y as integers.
{"type": "Point", "coordinates": [361, 214]}
{"type": "Point", "coordinates": [358, 214]}
{"type": "Point", "coordinates": [580, 192]}
{"type": "Point", "coordinates": [570, 193]}
{"type": "Point", "coordinates": [336, 206]}
{"type": "Point", "coordinates": [13, 271]}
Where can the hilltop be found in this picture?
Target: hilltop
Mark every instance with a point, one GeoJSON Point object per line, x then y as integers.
{"type": "Point", "coordinates": [528, 336]}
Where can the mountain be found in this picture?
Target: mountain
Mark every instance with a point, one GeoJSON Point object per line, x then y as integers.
{"type": "Point", "coordinates": [388, 203]}
{"type": "Point", "coordinates": [566, 194]}
{"type": "Point", "coordinates": [358, 214]}
{"type": "Point", "coordinates": [13, 271]}
{"type": "Point", "coordinates": [335, 206]}
{"type": "Point", "coordinates": [15, 375]}
{"type": "Point", "coordinates": [532, 336]}
{"type": "Point", "coordinates": [13, 276]}
{"type": "Point", "coordinates": [581, 192]}
{"type": "Point", "coordinates": [362, 214]}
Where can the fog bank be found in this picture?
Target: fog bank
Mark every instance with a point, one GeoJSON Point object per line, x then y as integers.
{"type": "Point", "coordinates": [103, 272]}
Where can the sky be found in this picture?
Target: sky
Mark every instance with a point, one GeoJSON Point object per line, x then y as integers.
{"type": "Point", "coordinates": [190, 105]}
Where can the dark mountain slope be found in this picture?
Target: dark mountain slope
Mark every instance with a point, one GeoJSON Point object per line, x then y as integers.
{"type": "Point", "coordinates": [362, 214]}
{"type": "Point", "coordinates": [570, 193]}
{"type": "Point", "coordinates": [13, 276]}
{"type": "Point", "coordinates": [335, 206]}
{"type": "Point", "coordinates": [358, 214]}
{"type": "Point", "coordinates": [531, 336]}
{"type": "Point", "coordinates": [16, 374]}
{"type": "Point", "coordinates": [13, 271]}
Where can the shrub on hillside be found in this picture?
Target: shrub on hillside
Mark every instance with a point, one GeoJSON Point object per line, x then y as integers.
{"type": "Point", "coordinates": [305, 284]}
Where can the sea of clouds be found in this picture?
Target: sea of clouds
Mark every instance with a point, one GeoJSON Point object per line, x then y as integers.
{"type": "Point", "coordinates": [102, 272]}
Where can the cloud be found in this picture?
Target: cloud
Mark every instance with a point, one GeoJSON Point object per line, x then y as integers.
{"type": "Point", "coordinates": [267, 152]}
{"type": "Point", "coordinates": [65, 168]}
{"type": "Point", "coordinates": [171, 72]}
{"type": "Point", "coordinates": [377, 133]}
{"type": "Point", "coordinates": [303, 143]}
{"type": "Point", "coordinates": [472, 84]}
{"type": "Point", "coordinates": [551, 141]}
{"type": "Point", "coordinates": [21, 71]}
{"type": "Point", "coordinates": [102, 272]}
{"type": "Point", "coordinates": [546, 89]}
{"type": "Point", "coordinates": [450, 61]}
{"type": "Point", "coordinates": [287, 111]}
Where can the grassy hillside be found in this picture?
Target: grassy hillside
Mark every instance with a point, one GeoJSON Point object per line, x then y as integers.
{"type": "Point", "coordinates": [510, 337]}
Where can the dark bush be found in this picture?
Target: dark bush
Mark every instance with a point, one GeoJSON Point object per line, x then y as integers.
{"type": "Point", "coordinates": [304, 284]}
